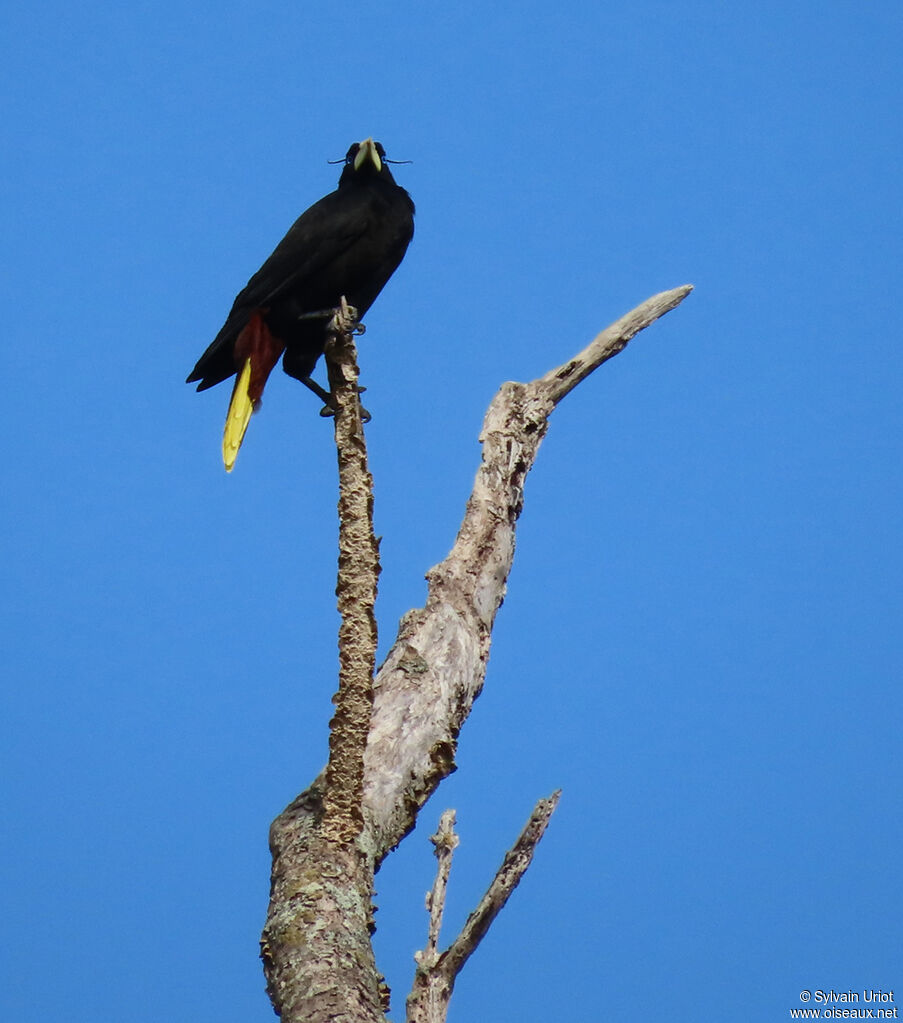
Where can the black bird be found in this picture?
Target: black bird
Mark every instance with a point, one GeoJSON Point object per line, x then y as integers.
{"type": "Point", "coordinates": [347, 244]}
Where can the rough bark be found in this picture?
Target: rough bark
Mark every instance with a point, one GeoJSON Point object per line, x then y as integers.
{"type": "Point", "coordinates": [356, 593]}
{"type": "Point", "coordinates": [316, 945]}
{"type": "Point", "coordinates": [316, 941]}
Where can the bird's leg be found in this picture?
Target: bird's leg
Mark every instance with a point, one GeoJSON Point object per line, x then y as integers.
{"type": "Point", "coordinates": [321, 393]}
{"type": "Point", "coordinates": [355, 326]}
{"type": "Point", "coordinates": [347, 315]}
{"type": "Point", "coordinates": [348, 311]}
{"type": "Point", "coordinates": [320, 314]}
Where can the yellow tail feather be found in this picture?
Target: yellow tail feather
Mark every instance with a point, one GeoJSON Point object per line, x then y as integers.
{"type": "Point", "coordinates": [238, 417]}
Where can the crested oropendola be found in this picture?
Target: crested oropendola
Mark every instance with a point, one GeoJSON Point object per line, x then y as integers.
{"type": "Point", "coordinates": [347, 244]}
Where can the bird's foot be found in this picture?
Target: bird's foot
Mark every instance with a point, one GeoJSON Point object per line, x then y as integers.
{"type": "Point", "coordinates": [327, 412]}
{"type": "Point", "coordinates": [346, 317]}
{"type": "Point", "coordinates": [319, 314]}
{"type": "Point", "coordinates": [328, 409]}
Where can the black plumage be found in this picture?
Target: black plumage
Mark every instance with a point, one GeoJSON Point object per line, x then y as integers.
{"type": "Point", "coordinates": [347, 244]}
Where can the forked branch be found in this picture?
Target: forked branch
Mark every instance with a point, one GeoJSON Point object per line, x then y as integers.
{"type": "Point", "coordinates": [436, 974]}
{"type": "Point", "coordinates": [327, 844]}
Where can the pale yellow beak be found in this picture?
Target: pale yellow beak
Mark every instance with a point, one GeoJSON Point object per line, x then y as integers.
{"type": "Point", "coordinates": [367, 151]}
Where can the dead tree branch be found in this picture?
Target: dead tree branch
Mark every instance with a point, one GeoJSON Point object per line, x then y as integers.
{"type": "Point", "coordinates": [356, 592]}
{"type": "Point", "coordinates": [445, 841]}
{"type": "Point", "coordinates": [426, 686]}
{"type": "Point", "coordinates": [315, 945]}
{"type": "Point", "coordinates": [436, 975]}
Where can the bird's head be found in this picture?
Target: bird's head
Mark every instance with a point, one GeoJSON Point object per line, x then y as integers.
{"type": "Point", "coordinates": [365, 160]}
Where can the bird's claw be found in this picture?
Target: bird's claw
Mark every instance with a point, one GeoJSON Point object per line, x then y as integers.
{"type": "Point", "coordinates": [328, 411]}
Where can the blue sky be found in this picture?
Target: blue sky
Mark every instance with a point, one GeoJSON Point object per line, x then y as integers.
{"type": "Point", "coordinates": [701, 643]}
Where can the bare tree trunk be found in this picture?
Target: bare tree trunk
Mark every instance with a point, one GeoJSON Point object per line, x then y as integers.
{"type": "Point", "coordinates": [316, 944]}
{"type": "Point", "coordinates": [328, 843]}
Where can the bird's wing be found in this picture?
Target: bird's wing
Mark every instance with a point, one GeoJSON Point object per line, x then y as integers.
{"type": "Point", "coordinates": [317, 238]}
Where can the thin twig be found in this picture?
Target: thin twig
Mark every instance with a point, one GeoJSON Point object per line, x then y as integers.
{"type": "Point", "coordinates": [507, 878]}
{"type": "Point", "coordinates": [436, 975]}
{"type": "Point", "coordinates": [445, 842]}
